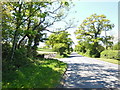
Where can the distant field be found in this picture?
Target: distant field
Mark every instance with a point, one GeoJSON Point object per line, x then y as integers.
{"type": "Point", "coordinates": [45, 49]}
{"type": "Point", "coordinates": [43, 52]}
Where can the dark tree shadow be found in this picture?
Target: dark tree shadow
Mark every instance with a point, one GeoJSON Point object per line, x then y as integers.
{"type": "Point", "coordinates": [34, 75]}
{"type": "Point", "coordinates": [97, 77]}
{"type": "Point", "coordinates": [75, 55]}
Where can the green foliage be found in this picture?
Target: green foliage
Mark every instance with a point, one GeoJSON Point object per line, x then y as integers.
{"type": "Point", "coordinates": [24, 23]}
{"type": "Point", "coordinates": [20, 59]}
{"type": "Point", "coordinates": [89, 49]}
{"type": "Point", "coordinates": [92, 52]}
{"type": "Point", "coordinates": [23, 26]}
{"type": "Point", "coordinates": [45, 49]}
{"type": "Point", "coordinates": [6, 50]}
{"type": "Point", "coordinates": [60, 42]}
{"type": "Point", "coordinates": [100, 48]}
{"type": "Point", "coordinates": [116, 46]}
{"type": "Point", "coordinates": [87, 53]}
{"type": "Point", "coordinates": [106, 41]}
{"type": "Point", "coordinates": [44, 73]}
{"type": "Point", "coordinates": [89, 35]}
{"type": "Point", "coordinates": [61, 56]}
{"type": "Point", "coordinates": [110, 54]}
{"type": "Point", "coordinates": [80, 48]}
{"type": "Point", "coordinates": [60, 48]}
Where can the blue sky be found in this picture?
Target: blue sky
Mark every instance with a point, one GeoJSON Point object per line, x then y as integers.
{"type": "Point", "coordinates": [85, 9]}
{"type": "Point", "coordinates": [81, 10]}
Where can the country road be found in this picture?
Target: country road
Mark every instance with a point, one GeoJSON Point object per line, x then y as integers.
{"type": "Point", "coordinates": [84, 72]}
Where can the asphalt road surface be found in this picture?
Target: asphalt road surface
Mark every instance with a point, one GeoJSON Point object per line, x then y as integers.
{"type": "Point", "coordinates": [84, 72]}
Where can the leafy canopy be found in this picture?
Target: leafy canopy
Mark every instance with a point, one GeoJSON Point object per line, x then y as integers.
{"type": "Point", "coordinates": [89, 34]}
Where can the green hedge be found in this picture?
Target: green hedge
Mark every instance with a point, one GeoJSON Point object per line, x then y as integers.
{"type": "Point", "coordinates": [111, 54]}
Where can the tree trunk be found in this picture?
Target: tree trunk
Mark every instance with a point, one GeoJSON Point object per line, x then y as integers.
{"type": "Point", "coordinates": [19, 44]}
{"type": "Point", "coordinates": [14, 45]}
{"type": "Point", "coordinates": [36, 43]}
{"type": "Point", "coordinates": [29, 49]}
{"type": "Point", "coordinates": [16, 32]}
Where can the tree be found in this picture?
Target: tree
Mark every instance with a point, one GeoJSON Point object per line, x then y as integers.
{"type": "Point", "coordinates": [90, 31]}
{"type": "Point", "coordinates": [116, 46]}
{"type": "Point", "coordinates": [27, 22]}
{"type": "Point", "coordinates": [60, 42]}
{"type": "Point", "coordinates": [107, 41]}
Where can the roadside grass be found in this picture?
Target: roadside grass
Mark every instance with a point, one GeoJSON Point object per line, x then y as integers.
{"type": "Point", "coordinates": [58, 56]}
{"type": "Point", "coordinates": [45, 49]}
{"type": "Point", "coordinates": [41, 73]}
{"type": "Point", "coordinates": [46, 52]}
{"type": "Point", "coordinates": [62, 56]}
{"type": "Point", "coordinates": [114, 61]}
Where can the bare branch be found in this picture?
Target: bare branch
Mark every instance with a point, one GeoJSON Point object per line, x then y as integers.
{"type": "Point", "coordinates": [53, 12]}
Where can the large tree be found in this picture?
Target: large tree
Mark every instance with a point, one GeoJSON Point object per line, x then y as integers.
{"type": "Point", "coordinates": [90, 31]}
{"type": "Point", "coordinates": [60, 42]}
{"type": "Point", "coordinates": [24, 23]}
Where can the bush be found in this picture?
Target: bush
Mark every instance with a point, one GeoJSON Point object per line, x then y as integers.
{"type": "Point", "coordinates": [93, 53]}
{"type": "Point", "coordinates": [6, 51]}
{"type": "Point", "coordinates": [100, 48]}
{"type": "Point", "coordinates": [116, 46]}
{"type": "Point", "coordinates": [60, 48]}
{"type": "Point", "coordinates": [20, 58]}
{"type": "Point", "coordinates": [110, 54]}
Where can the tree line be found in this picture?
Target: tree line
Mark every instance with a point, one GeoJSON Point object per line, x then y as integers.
{"type": "Point", "coordinates": [25, 25]}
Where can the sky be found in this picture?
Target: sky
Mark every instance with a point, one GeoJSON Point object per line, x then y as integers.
{"type": "Point", "coordinates": [85, 8]}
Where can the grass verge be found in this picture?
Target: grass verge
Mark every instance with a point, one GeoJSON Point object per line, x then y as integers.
{"type": "Point", "coordinates": [45, 73]}
{"type": "Point", "coordinates": [61, 56]}
{"type": "Point", "coordinates": [45, 49]}
{"type": "Point", "coordinates": [114, 61]}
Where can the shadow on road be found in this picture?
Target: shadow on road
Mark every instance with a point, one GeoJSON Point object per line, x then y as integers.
{"type": "Point", "coordinates": [90, 76]}
{"type": "Point", "coordinates": [75, 55]}
{"type": "Point", "coordinates": [71, 56]}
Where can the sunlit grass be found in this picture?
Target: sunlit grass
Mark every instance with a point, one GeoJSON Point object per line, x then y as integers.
{"type": "Point", "coordinates": [114, 61]}
{"type": "Point", "coordinates": [40, 74]}
{"type": "Point", "coordinates": [61, 56]}
{"type": "Point", "coordinates": [109, 60]}
{"type": "Point", "coordinates": [45, 49]}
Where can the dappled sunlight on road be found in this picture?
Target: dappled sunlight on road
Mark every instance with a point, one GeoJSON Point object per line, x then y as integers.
{"type": "Point", "coordinates": [83, 72]}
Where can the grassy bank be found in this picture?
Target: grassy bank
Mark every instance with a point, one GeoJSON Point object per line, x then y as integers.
{"type": "Point", "coordinates": [40, 73]}
{"type": "Point", "coordinates": [114, 61]}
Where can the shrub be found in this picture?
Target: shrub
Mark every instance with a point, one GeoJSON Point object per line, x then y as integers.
{"type": "Point", "coordinates": [110, 54]}
{"type": "Point", "coordinates": [94, 53]}
{"type": "Point", "coordinates": [116, 46]}
{"type": "Point", "coordinates": [60, 48]}
{"type": "Point", "coordinates": [19, 59]}
{"type": "Point", "coordinates": [6, 50]}
{"type": "Point", "coordinates": [100, 48]}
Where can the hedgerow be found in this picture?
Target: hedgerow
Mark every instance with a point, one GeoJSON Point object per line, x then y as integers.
{"type": "Point", "coordinates": [110, 54]}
